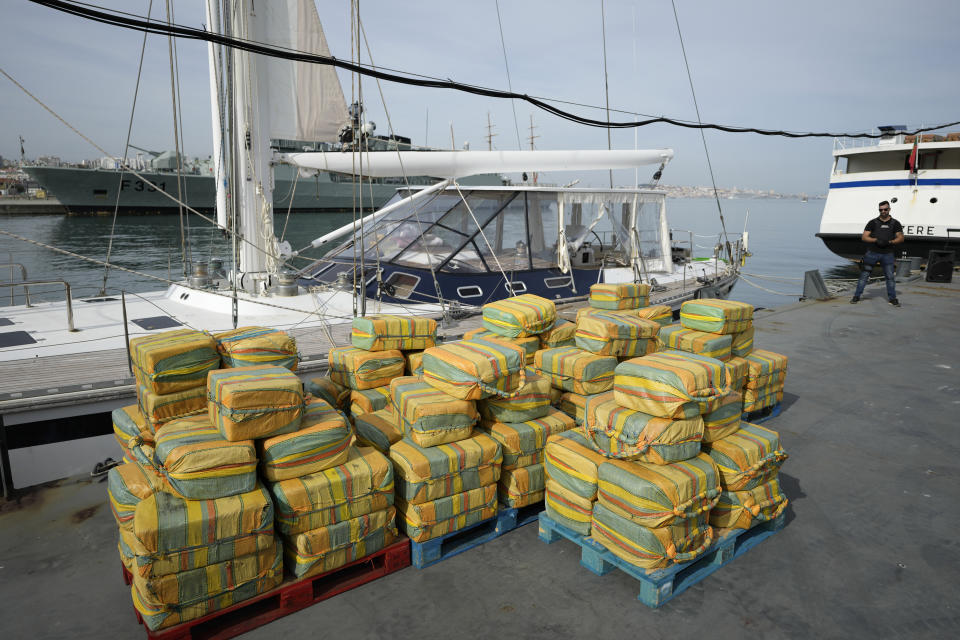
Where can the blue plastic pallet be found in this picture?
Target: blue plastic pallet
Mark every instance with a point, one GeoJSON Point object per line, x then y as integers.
{"type": "Point", "coordinates": [662, 585]}
{"type": "Point", "coordinates": [424, 554]}
{"type": "Point", "coordinates": [762, 415]}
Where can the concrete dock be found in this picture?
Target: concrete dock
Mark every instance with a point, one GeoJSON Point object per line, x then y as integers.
{"type": "Point", "coordinates": [870, 419]}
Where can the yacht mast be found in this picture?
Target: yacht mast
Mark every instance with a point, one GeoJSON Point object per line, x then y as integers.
{"type": "Point", "coordinates": [213, 21]}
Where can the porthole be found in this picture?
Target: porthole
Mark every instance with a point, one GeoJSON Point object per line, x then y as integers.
{"type": "Point", "coordinates": [518, 287]}
{"type": "Point", "coordinates": [471, 291]}
{"type": "Point", "coordinates": [893, 200]}
{"type": "Point", "coordinates": [933, 201]}
{"type": "Point", "coordinates": [558, 281]}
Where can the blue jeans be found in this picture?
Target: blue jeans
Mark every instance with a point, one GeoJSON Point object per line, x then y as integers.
{"type": "Point", "coordinates": [887, 261]}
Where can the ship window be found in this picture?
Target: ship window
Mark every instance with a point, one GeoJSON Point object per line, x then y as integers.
{"type": "Point", "coordinates": [558, 282]}
{"type": "Point", "coordinates": [518, 287]}
{"type": "Point", "coordinates": [401, 285]}
{"type": "Point", "coordinates": [471, 291]}
{"type": "Point", "coordinates": [99, 192]}
{"type": "Point", "coordinates": [543, 226]}
{"type": "Point", "coordinates": [503, 243]}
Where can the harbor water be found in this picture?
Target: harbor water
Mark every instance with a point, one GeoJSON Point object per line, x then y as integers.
{"type": "Point", "coordinates": [781, 239]}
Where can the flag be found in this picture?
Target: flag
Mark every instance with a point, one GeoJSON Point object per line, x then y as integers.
{"type": "Point", "coordinates": [914, 154]}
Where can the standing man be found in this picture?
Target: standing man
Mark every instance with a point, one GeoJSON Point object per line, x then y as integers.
{"type": "Point", "coordinates": [881, 235]}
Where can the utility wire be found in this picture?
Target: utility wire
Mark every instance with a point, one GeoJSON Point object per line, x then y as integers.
{"type": "Point", "coordinates": [117, 19]}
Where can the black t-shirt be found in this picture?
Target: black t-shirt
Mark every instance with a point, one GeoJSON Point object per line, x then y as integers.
{"type": "Point", "coordinates": [883, 231]}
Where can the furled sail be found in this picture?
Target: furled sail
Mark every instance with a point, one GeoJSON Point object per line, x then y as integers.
{"type": "Point", "coordinates": [306, 100]}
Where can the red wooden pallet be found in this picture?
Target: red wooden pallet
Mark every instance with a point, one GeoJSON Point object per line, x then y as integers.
{"type": "Point", "coordinates": [291, 596]}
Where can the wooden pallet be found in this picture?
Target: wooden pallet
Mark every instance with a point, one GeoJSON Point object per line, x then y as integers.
{"type": "Point", "coordinates": [762, 415]}
{"type": "Point", "coordinates": [424, 554]}
{"type": "Point", "coordinates": [292, 595]}
{"type": "Point", "coordinates": [659, 586]}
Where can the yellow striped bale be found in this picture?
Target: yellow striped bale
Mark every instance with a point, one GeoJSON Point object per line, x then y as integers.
{"type": "Point", "coordinates": [744, 509]}
{"type": "Point", "coordinates": [129, 423]}
{"type": "Point", "coordinates": [737, 369]}
{"type": "Point", "coordinates": [161, 564]}
{"type": "Point", "coordinates": [712, 345]}
{"type": "Point", "coordinates": [575, 370]}
{"type": "Point", "coordinates": [742, 343]}
{"type": "Point", "coordinates": [369, 400]}
{"type": "Point", "coordinates": [619, 432]}
{"type": "Point", "coordinates": [159, 409]}
{"type": "Point", "coordinates": [359, 369]}
{"type": "Point", "coordinates": [521, 487]}
{"type": "Point", "coordinates": [254, 402]}
{"type": "Point", "coordinates": [655, 495]}
{"type": "Point", "coordinates": [612, 334]}
{"type": "Point", "coordinates": [529, 344]}
{"type": "Point", "coordinates": [649, 548]}
{"type": "Point", "coordinates": [747, 458]}
{"type": "Point", "coordinates": [523, 442]}
{"type": "Point", "coordinates": [328, 548]}
{"type": "Point", "coordinates": [567, 508]}
{"type": "Point", "coordinates": [560, 335]}
{"type": "Point", "coordinates": [716, 316]}
{"type": "Point", "coordinates": [386, 332]}
{"type": "Point", "coordinates": [322, 441]}
{"type": "Point", "coordinates": [413, 361]}
{"type": "Point", "coordinates": [428, 415]}
{"type": "Point", "coordinates": [380, 429]}
{"type": "Point", "coordinates": [671, 384]}
{"type": "Point", "coordinates": [430, 473]}
{"type": "Point", "coordinates": [475, 369]}
{"type": "Point", "coordinates": [571, 461]}
{"type": "Point", "coordinates": [334, 393]}
{"type": "Point", "coordinates": [531, 401]}
{"type": "Point", "coordinates": [762, 398]}
{"type": "Point", "coordinates": [173, 361]}
{"type": "Point", "coordinates": [659, 313]}
{"type": "Point", "coordinates": [519, 316]}
{"type": "Point", "coordinates": [427, 520]}
{"type": "Point", "coordinates": [257, 346]}
{"type": "Point", "coordinates": [574, 405]}
{"type": "Point", "coordinates": [766, 368]}
{"type": "Point", "coordinates": [127, 485]}
{"type": "Point", "coordinates": [619, 296]}
{"type": "Point", "coordinates": [724, 419]}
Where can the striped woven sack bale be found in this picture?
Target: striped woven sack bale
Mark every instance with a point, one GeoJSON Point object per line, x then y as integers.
{"type": "Point", "coordinates": [521, 487]}
{"type": "Point", "coordinates": [531, 401]}
{"type": "Point", "coordinates": [766, 368]}
{"type": "Point", "coordinates": [413, 363]}
{"type": "Point", "coordinates": [571, 461]}
{"type": "Point", "coordinates": [254, 402]}
{"type": "Point", "coordinates": [328, 548]}
{"type": "Point", "coordinates": [712, 345]}
{"type": "Point", "coordinates": [619, 432]}
{"type": "Point", "coordinates": [747, 458]}
{"type": "Point", "coordinates": [159, 616]}
{"type": "Point", "coordinates": [475, 369]}
{"type": "Point", "coordinates": [127, 485]}
{"type": "Point", "coordinates": [619, 296]}
{"type": "Point", "coordinates": [159, 409]}
{"type": "Point", "coordinates": [529, 344]}
{"type": "Point", "coordinates": [716, 316]}
{"type": "Point", "coordinates": [369, 400]}
{"type": "Point", "coordinates": [567, 508]}
{"type": "Point", "coordinates": [359, 369]}
{"type": "Point", "coordinates": [520, 316]}
{"type": "Point", "coordinates": [428, 415]}
{"type": "Point", "coordinates": [129, 423]}
{"type": "Point", "coordinates": [379, 429]}
{"type": "Point", "coordinates": [745, 509]}
{"type": "Point", "coordinates": [655, 495]}
{"type": "Point", "coordinates": [165, 523]}
{"type": "Point", "coordinates": [586, 312]}
{"type": "Point", "coordinates": [191, 586]}
{"type": "Point", "coordinates": [612, 334]}
{"type": "Point", "coordinates": [649, 548]}
{"type": "Point", "coordinates": [659, 313]}
{"type": "Point", "coordinates": [427, 520]}
{"type": "Point", "coordinates": [737, 369]}
{"type": "Point", "coordinates": [556, 395]}
{"type": "Point", "coordinates": [173, 361]}
{"type": "Point", "coordinates": [523, 442]}
{"type": "Point", "coordinates": [257, 346]}
{"type": "Point", "coordinates": [742, 342]}
{"type": "Point", "coordinates": [671, 384]}
{"type": "Point", "coordinates": [321, 442]}
{"type": "Point", "coordinates": [725, 419]}
{"type": "Point", "coordinates": [430, 473]}
{"type": "Point", "coordinates": [363, 484]}
{"type": "Point", "coordinates": [560, 335]}
{"type": "Point", "coordinates": [575, 370]}
{"type": "Point", "coordinates": [148, 564]}
{"type": "Point", "coordinates": [574, 404]}
{"type": "Point", "coordinates": [762, 398]}
{"type": "Point", "coordinates": [335, 394]}
{"type": "Point", "coordinates": [200, 464]}
{"type": "Point", "coordinates": [386, 333]}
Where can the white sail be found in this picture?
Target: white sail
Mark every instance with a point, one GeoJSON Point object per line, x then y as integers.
{"type": "Point", "coordinates": [306, 100]}
{"type": "Point", "coordinates": [457, 164]}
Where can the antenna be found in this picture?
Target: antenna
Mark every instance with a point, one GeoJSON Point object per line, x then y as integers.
{"type": "Point", "coordinates": [532, 138]}
{"type": "Point", "coordinates": [490, 133]}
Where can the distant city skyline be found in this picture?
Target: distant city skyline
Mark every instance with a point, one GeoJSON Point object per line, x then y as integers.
{"type": "Point", "coordinates": [813, 66]}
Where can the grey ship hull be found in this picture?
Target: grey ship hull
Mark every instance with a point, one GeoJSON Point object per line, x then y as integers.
{"type": "Point", "coordinates": [94, 191]}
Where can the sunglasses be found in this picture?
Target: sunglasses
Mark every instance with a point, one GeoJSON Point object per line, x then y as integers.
{"type": "Point", "coordinates": [884, 209]}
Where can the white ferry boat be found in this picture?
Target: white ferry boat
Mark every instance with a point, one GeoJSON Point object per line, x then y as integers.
{"type": "Point", "coordinates": [920, 179]}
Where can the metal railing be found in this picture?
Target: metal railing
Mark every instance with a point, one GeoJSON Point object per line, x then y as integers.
{"type": "Point", "coordinates": [66, 288]}
{"type": "Point", "coordinates": [23, 278]}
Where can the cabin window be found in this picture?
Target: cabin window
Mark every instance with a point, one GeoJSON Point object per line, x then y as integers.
{"type": "Point", "coordinates": [515, 288]}
{"type": "Point", "coordinates": [471, 291]}
{"type": "Point", "coordinates": [543, 227]}
{"type": "Point", "coordinates": [558, 282]}
{"type": "Point", "coordinates": [503, 243]}
{"type": "Point", "coordinates": [401, 285]}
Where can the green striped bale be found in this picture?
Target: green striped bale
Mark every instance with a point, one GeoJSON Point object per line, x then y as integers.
{"type": "Point", "coordinates": [328, 548]}
{"type": "Point", "coordinates": [649, 548]}
{"type": "Point", "coordinates": [257, 346]}
{"type": "Point", "coordinates": [742, 343]}
{"type": "Point", "coordinates": [254, 402]}
{"type": "Point", "coordinates": [379, 429]}
{"type": "Point", "coordinates": [571, 461]}
{"type": "Point", "coordinates": [765, 368]}
{"type": "Point", "coordinates": [522, 486]}
{"type": "Point", "coordinates": [750, 507]}
{"type": "Point", "coordinates": [567, 508]}
{"type": "Point", "coordinates": [560, 335]}
{"type": "Point", "coordinates": [161, 564]}
{"type": "Point", "coordinates": [359, 369]}
{"type": "Point", "coordinates": [127, 485]}
{"type": "Point", "coordinates": [619, 296]}
{"type": "Point", "coordinates": [475, 369]}
{"type": "Point", "coordinates": [531, 401]}
{"type": "Point", "coordinates": [430, 416]}
{"type": "Point", "coordinates": [671, 384]}
{"type": "Point", "coordinates": [612, 334]}
{"type": "Point", "coordinates": [427, 520]}
{"type": "Point", "coordinates": [576, 370]}
{"type": "Point", "coordinates": [333, 393]}
{"type": "Point", "coordinates": [430, 473]}
{"type": "Point", "coordinates": [387, 332]}
{"type": "Point", "coordinates": [747, 458]}
{"type": "Point", "coordinates": [523, 442]}
{"type": "Point", "coordinates": [369, 400]}
{"type": "Point", "coordinates": [159, 409]}
{"type": "Point", "coordinates": [659, 313]}
{"type": "Point", "coordinates": [172, 361]}
{"type": "Point", "coordinates": [724, 419]}
{"type": "Point", "coordinates": [322, 441]}
{"type": "Point", "coordinates": [716, 316]}
{"type": "Point", "coordinates": [712, 345]}
{"type": "Point", "coordinates": [519, 316]}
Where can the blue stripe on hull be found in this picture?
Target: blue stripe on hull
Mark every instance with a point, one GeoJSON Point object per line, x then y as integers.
{"type": "Point", "coordinates": [899, 182]}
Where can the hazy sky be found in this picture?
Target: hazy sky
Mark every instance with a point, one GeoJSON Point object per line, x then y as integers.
{"type": "Point", "coordinates": [802, 66]}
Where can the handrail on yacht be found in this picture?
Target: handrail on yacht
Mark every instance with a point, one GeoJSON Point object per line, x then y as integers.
{"type": "Point", "coordinates": [66, 288]}
{"type": "Point", "coordinates": [23, 278]}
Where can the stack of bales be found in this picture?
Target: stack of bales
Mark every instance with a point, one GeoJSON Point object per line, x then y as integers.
{"type": "Point", "coordinates": [196, 526]}
{"type": "Point", "coordinates": [521, 421]}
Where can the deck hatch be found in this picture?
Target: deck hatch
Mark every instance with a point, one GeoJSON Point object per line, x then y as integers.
{"type": "Point", "coordinates": [6, 322]}
{"type": "Point", "coordinates": [156, 322]}
{"type": "Point", "coordinates": [15, 339]}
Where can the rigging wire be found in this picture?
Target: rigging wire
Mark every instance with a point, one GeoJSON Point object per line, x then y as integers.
{"type": "Point", "coordinates": [506, 65]}
{"type": "Point", "coordinates": [176, 140]}
{"type": "Point", "coordinates": [138, 24]}
{"type": "Point", "coordinates": [126, 150]}
{"type": "Point", "coordinates": [606, 77]}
